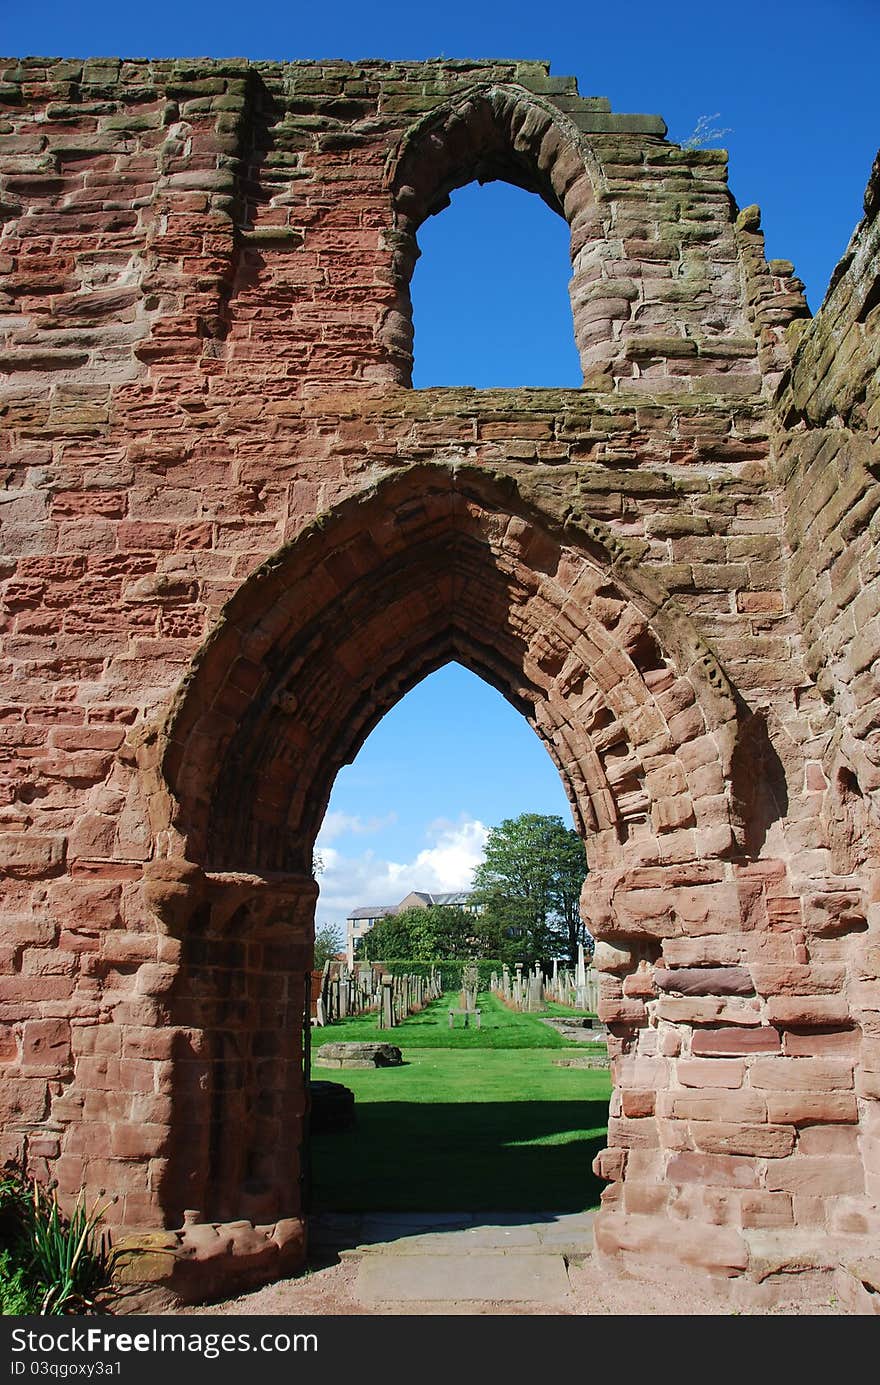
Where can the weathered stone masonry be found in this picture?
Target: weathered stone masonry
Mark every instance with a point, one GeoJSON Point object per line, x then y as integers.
{"type": "Point", "coordinates": [233, 536]}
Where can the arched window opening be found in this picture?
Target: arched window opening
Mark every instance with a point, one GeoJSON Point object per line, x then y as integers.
{"type": "Point", "coordinates": [491, 306]}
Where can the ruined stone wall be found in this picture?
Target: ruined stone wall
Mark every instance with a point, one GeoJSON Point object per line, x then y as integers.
{"type": "Point", "coordinates": [829, 423]}
{"type": "Point", "coordinates": [233, 536]}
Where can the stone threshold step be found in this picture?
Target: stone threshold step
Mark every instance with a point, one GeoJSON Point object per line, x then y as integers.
{"type": "Point", "coordinates": [499, 1277]}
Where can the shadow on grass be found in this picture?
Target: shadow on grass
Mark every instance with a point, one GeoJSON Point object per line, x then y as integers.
{"type": "Point", "coordinates": [514, 1156]}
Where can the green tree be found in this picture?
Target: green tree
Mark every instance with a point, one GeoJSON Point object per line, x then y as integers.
{"type": "Point", "coordinates": [328, 941]}
{"type": "Point", "coordinates": [388, 939]}
{"type": "Point", "coordinates": [429, 934]}
{"type": "Point", "coordinates": [443, 930]}
{"type": "Point", "coordinates": [530, 884]}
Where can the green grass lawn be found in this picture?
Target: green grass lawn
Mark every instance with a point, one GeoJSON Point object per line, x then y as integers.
{"type": "Point", "coordinates": [552, 1007]}
{"type": "Point", "coordinates": [499, 1028]}
{"type": "Point", "coordinates": [474, 1120]}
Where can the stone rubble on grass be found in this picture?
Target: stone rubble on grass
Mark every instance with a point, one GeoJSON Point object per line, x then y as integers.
{"type": "Point", "coordinates": [357, 1055]}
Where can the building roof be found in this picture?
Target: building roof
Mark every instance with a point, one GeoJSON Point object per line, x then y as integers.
{"type": "Point", "coordinates": [451, 898]}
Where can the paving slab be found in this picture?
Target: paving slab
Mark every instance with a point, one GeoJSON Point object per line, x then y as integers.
{"type": "Point", "coordinates": [575, 1231]}
{"type": "Point", "coordinates": [495, 1238]}
{"type": "Point", "coordinates": [451, 1233]}
{"type": "Point", "coordinates": [512, 1277]}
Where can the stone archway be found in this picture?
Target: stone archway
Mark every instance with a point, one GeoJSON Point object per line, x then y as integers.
{"type": "Point", "coordinates": [432, 563]}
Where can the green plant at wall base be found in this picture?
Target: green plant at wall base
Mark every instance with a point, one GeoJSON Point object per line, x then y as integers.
{"type": "Point", "coordinates": [72, 1258]}
{"type": "Point", "coordinates": [53, 1264]}
{"type": "Point", "coordinates": [18, 1296]}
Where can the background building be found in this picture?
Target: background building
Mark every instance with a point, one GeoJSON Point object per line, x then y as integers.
{"type": "Point", "coordinates": [360, 921]}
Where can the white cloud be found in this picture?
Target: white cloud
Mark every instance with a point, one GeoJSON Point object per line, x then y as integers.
{"type": "Point", "coordinates": [342, 824]}
{"type": "Point", "coordinates": [447, 863]}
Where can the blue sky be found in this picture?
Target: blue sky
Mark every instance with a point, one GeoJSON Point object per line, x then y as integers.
{"type": "Point", "coordinates": [793, 84]}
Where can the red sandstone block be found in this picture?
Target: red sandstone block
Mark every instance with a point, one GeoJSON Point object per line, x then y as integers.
{"type": "Point", "coordinates": [137, 1209]}
{"type": "Point", "coordinates": [809, 1108]}
{"type": "Point", "coordinates": [97, 1038]}
{"type": "Point", "coordinates": [632, 1134]}
{"type": "Point", "coordinates": [22, 989]}
{"type": "Point", "coordinates": [78, 942]}
{"type": "Point", "coordinates": [766, 871]}
{"type": "Point", "coordinates": [155, 978]}
{"type": "Point", "coordinates": [88, 1138]}
{"type": "Point", "coordinates": [43, 1146]}
{"type": "Point", "coordinates": [139, 1141]}
{"type": "Point", "coordinates": [54, 568]}
{"type": "Point", "coordinates": [735, 1042]}
{"type": "Point", "coordinates": [69, 1173]}
{"type": "Point", "coordinates": [814, 779]}
{"type": "Point", "coordinates": [718, 1206]}
{"type": "Point", "coordinates": [146, 1108]}
{"type": "Point", "coordinates": [93, 904]}
{"type": "Point", "coordinates": [867, 961]}
{"type": "Point", "coordinates": [868, 1085]}
{"type": "Point", "coordinates": [762, 1141]}
{"type": "Point", "coordinates": [784, 912]}
{"type": "Point", "coordinates": [806, 1175]}
{"type": "Point", "coordinates": [98, 1073]}
{"type": "Point", "coordinates": [8, 1044]}
{"type": "Point", "coordinates": [699, 1010]}
{"type": "Point", "coordinates": [639, 1071]}
{"type": "Point", "coordinates": [104, 870]}
{"type": "Point", "coordinates": [841, 1043]}
{"type": "Point", "coordinates": [195, 535]}
{"type": "Point", "coordinates": [870, 1151]}
{"type": "Point", "coordinates": [829, 1139]}
{"type": "Point", "coordinates": [625, 1012]}
{"type": "Point", "coordinates": [714, 1170]}
{"type": "Point", "coordinates": [760, 602]}
{"type": "Point", "coordinates": [801, 1074]}
{"type": "Point", "coordinates": [87, 737]}
{"type": "Point", "coordinates": [775, 978]}
{"type": "Point", "coordinates": [670, 1043]}
{"type": "Point", "coordinates": [786, 1011]}
{"type": "Point", "coordinates": [637, 1104]}
{"type": "Point", "coordinates": [646, 1198]}
{"type": "Point", "coordinates": [104, 504]}
{"type": "Point", "coordinates": [674, 1135]}
{"type": "Point", "coordinates": [719, 1249]}
{"type": "Point", "coordinates": [47, 961]}
{"type": "Point", "coordinates": [46, 1043]}
{"type": "Point", "coordinates": [29, 856]}
{"type": "Point", "coordinates": [23, 1099]}
{"type": "Point", "coordinates": [762, 1209]}
{"type": "Point", "coordinates": [610, 1164]}
{"type": "Point", "coordinates": [704, 981]}
{"type": "Point", "coordinates": [811, 1210]}
{"type": "Point", "coordinates": [639, 984]}
{"type": "Point", "coordinates": [22, 930]}
{"type": "Point", "coordinates": [710, 1072]}
{"type": "Point", "coordinates": [143, 537]}
{"type": "Point", "coordinates": [149, 1043]}
{"type": "Point", "coordinates": [116, 1175]}
{"type": "Point", "coordinates": [713, 1104]}
{"type": "Point", "coordinates": [118, 946]}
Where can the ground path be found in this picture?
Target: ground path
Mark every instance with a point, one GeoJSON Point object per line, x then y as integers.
{"type": "Point", "coordinates": [408, 1264]}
